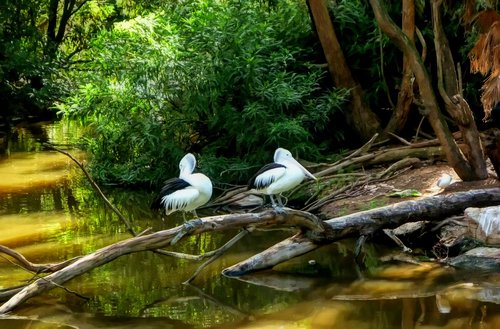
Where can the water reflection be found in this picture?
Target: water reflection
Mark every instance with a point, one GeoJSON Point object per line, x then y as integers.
{"type": "Point", "coordinates": [50, 214]}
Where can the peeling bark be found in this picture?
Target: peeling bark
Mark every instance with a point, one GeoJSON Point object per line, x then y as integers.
{"type": "Point", "coordinates": [455, 104]}
{"type": "Point", "coordinates": [313, 234]}
{"type": "Point", "coordinates": [159, 240]}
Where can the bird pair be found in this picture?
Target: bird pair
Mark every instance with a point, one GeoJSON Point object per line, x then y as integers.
{"type": "Point", "coordinates": [190, 191]}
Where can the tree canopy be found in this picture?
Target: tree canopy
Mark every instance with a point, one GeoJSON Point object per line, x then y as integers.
{"type": "Point", "coordinates": [227, 80]}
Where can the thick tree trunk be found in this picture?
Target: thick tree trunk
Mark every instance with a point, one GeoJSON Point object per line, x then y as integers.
{"type": "Point", "coordinates": [491, 142]}
{"type": "Point", "coordinates": [453, 154]}
{"type": "Point", "coordinates": [405, 95]}
{"type": "Point", "coordinates": [455, 104]}
{"type": "Point", "coordinates": [360, 118]}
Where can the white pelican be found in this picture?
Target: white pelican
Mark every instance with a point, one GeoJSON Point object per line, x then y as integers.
{"type": "Point", "coordinates": [185, 193]}
{"type": "Point", "coordinates": [280, 176]}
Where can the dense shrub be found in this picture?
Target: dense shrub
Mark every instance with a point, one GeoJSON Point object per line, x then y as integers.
{"type": "Point", "coordinates": [227, 80]}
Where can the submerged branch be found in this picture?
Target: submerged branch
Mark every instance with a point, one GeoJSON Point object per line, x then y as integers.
{"type": "Point", "coordinates": [219, 253]}
{"type": "Point", "coordinates": [32, 267]}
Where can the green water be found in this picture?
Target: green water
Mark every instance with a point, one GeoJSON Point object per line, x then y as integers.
{"type": "Point", "coordinates": [49, 213]}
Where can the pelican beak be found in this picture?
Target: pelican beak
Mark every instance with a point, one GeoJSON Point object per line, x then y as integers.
{"type": "Point", "coordinates": [306, 172]}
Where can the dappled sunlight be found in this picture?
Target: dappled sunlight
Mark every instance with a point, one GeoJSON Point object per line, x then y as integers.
{"type": "Point", "coordinates": [27, 229]}
{"type": "Point", "coordinates": [24, 171]}
{"type": "Point", "coordinates": [11, 275]}
{"type": "Point", "coordinates": [380, 288]}
{"type": "Point", "coordinates": [412, 271]}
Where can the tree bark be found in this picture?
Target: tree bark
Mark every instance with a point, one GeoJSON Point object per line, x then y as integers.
{"type": "Point", "coordinates": [56, 28]}
{"type": "Point", "coordinates": [314, 234]}
{"type": "Point", "coordinates": [455, 104]}
{"type": "Point", "coordinates": [454, 156]}
{"type": "Point", "coordinates": [360, 118]}
{"type": "Point", "coordinates": [405, 96]}
{"type": "Point", "coordinates": [491, 142]}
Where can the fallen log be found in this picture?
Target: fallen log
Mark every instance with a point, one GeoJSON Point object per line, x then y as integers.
{"type": "Point", "coordinates": [161, 239]}
{"type": "Point", "coordinates": [365, 223]}
{"type": "Point", "coordinates": [313, 234]}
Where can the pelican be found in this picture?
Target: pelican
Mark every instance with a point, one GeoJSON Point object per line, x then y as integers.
{"type": "Point", "coordinates": [185, 193]}
{"type": "Point", "coordinates": [280, 176]}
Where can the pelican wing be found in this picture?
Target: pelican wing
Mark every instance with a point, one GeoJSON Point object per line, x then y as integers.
{"type": "Point", "coordinates": [180, 200]}
{"type": "Point", "coordinates": [266, 176]}
{"type": "Point", "coordinates": [171, 186]}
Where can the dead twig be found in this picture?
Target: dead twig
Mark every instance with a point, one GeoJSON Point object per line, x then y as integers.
{"type": "Point", "coordinates": [95, 186]}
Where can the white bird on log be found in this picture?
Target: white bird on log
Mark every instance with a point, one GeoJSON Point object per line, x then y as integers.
{"type": "Point", "coordinates": [280, 176]}
{"type": "Point", "coordinates": [185, 193]}
{"type": "Point", "coordinates": [444, 181]}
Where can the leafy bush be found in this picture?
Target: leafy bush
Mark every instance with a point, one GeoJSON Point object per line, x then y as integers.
{"type": "Point", "coordinates": [228, 80]}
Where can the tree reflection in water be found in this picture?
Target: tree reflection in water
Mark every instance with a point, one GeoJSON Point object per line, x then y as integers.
{"type": "Point", "coordinates": [49, 214]}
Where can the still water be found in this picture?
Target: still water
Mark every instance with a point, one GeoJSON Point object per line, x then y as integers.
{"type": "Point", "coordinates": [49, 213]}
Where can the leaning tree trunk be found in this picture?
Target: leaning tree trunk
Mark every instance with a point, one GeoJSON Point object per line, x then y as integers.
{"type": "Point", "coordinates": [450, 91]}
{"type": "Point", "coordinates": [360, 118]}
{"type": "Point", "coordinates": [405, 96]}
{"type": "Point", "coordinates": [454, 155]}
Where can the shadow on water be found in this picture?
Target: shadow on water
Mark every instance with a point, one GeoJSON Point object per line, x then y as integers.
{"type": "Point", "coordinates": [49, 214]}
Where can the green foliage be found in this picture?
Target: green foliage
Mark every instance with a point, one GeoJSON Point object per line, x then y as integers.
{"type": "Point", "coordinates": [228, 80]}
{"type": "Point", "coordinates": [35, 54]}
{"type": "Point", "coordinates": [373, 59]}
{"type": "Point", "coordinates": [377, 63]}
{"type": "Point", "coordinates": [21, 64]}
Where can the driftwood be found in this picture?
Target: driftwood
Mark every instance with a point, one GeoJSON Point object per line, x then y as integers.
{"type": "Point", "coordinates": [312, 234]}
{"type": "Point", "coordinates": [368, 222]}
{"type": "Point", "coordinates": [162, 239]}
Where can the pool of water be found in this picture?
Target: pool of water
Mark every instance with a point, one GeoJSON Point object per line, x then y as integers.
{"type": "Point", "coordinates": [49, 213]}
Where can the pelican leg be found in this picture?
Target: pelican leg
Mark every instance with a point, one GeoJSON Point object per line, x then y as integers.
{"type": "Point", "coordinates": [273, 203]}
{"type": "Point", "coordinates": [279, 205]}
{"type": "Point", "coordinates": [280, 201]}
{"type": "Point", "coordinates": [195, 214]}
